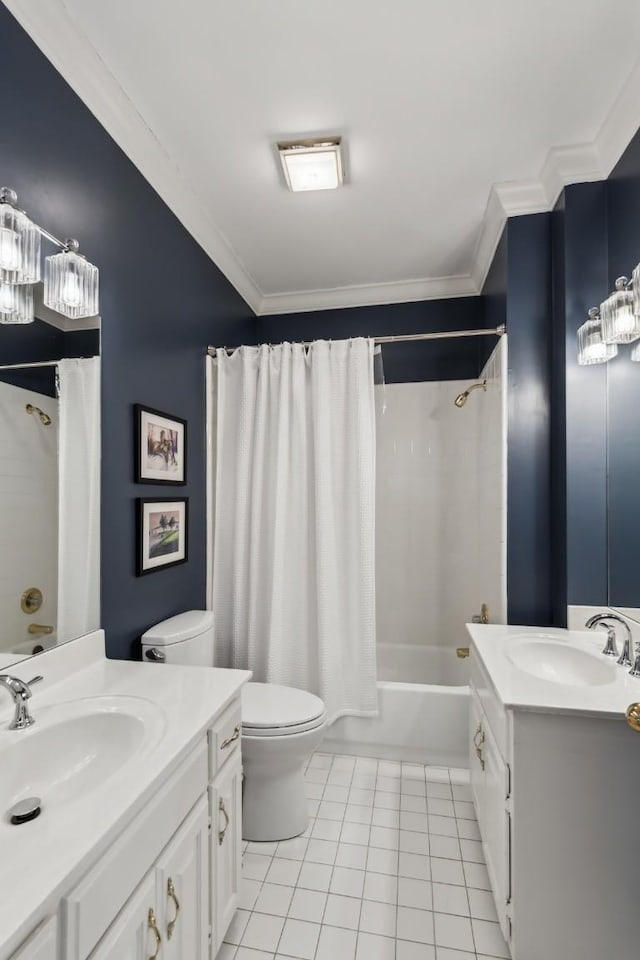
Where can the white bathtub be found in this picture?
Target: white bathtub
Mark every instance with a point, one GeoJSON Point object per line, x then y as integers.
{"type": "Point", "coordinates": [423, 700]}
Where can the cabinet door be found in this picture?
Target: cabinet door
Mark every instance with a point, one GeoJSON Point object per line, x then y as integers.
{"type": "Point", "coordinates": [182, 875]}
{"type": "Point", "coordinates": [41, 945]}
{"type": "Point", "coordinates": [226, 845]}
{"type": "Point", "coordinates": [496, 824]}
{"type": "Point", "coordinates": [135, 934]}
{"type": "Point", "coordinates": [476, 759]}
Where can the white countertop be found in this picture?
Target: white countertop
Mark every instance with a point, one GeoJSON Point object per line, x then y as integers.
{"type": "Point", "coordinates": [520, 690]}
{"type": "Point", "coordinates": [44, 859]}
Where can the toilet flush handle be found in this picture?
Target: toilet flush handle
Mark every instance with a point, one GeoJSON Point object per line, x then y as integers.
{"type": "Point", "coordinates": [155, 655]}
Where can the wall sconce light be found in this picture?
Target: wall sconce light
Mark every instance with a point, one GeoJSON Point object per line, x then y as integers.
{"type": "Point", "coordinates": [16, 303]}
{"type": "Point", "coordinates": [71, 282]}
{"type": "Point", "coordinates": [635, 352]}
{"type": "Point", "coordinates": [591, 346]}
{"type": "Point", "coordinates": [619, 322]}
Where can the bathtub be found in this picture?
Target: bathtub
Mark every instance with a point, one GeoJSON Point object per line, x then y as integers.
{"type": "Point", "coordinates": [423, 700]}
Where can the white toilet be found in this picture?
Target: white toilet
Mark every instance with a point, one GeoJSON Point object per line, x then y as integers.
{"type": "Point", "coordinates": [281, 727]}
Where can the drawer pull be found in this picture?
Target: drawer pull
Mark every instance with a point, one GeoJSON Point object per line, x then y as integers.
{"type": "Point", "coordinates": [478, 741]}
{"type": "Point", "coordinates": [153, 925]}
{"type": "Point", "coordinates": [232, 739]}
{"type": "Point", "coordinates": [171, 892]}
{"type": "Point", "coordinates": [221, 833]}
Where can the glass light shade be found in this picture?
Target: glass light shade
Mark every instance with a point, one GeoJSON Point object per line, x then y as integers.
{"type": "Point", "coordinates": [635, 284]}
{"type": "Point", "coordinates": [619, 323]}
{"type": "Point", "coordinates": [19, 243]}
{"type": "Point", "coordinates": [635, 352]}
{"type": "Point", "coordinates": [591, 346]}
{"type": "Point", "coordinates": [71, 285]}
{"type": "Point", "coordinates": [16, 303]}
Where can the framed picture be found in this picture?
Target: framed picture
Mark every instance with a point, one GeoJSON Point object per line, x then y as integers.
{"type": "Point", "coordinates": [162, 533]}
{"type": "Point", "coordinates": [161, 447]}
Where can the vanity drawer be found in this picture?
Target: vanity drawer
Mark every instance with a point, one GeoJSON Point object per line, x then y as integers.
{"type": "Point", "coordinates": [224, 737]}
{"type": "Point", "coordinates": [91, 907]}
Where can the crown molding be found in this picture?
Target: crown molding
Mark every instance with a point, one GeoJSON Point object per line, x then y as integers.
{"type": "Point", "coordinates": [54, 30]}
{"type": "Point", "coordinates": [337, 298]}
{"type": "Point", "coordinates": [51, 26]}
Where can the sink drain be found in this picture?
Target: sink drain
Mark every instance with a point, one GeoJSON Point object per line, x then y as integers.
{"type": "Point", "coordinates": [25, 810]}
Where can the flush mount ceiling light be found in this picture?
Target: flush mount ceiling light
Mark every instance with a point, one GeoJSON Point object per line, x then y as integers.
{"type": "Point", "coordinates": [591, 346]}
{"type": "Point", "coordinates": [312, 164]}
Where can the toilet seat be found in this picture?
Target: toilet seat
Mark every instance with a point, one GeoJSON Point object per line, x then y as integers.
{"type": "Point", "coordinates": [271, 710]}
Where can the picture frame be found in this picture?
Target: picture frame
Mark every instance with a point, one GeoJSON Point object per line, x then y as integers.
{"type": "Point", "coordinates": [160, 447]}
{"type": "Point", "coordinates": [163, 533]}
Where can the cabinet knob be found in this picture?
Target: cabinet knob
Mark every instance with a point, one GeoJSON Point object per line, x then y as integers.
{"type": "Point", "coordinates": [633, 716]}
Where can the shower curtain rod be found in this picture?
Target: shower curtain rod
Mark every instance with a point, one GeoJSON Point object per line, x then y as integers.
{"type": "Point", "coordinates": [404, 338]}
{"type": "Point", "coordinates": [28, 366]}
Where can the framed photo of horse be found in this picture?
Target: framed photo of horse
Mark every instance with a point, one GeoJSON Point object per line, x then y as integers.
{"type": "Point", "coordinates": [161, 447]}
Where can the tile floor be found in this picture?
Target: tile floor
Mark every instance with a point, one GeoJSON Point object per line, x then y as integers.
{"type": "Point", "coordinates": [390, 868]}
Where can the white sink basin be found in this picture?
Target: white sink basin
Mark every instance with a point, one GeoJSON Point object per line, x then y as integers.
{"type": "Point", "coordinates": [560, 662]}
{"type": "Point", "coordinates": [73, 749]}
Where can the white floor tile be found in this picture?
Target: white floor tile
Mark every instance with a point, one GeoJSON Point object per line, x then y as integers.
{"type": "Point", "coordinates": [255, 867]}
{"type": "Point", "coordinates": [263, 849]}
{"type": "Point", "coordinates": [415, 925]}
{"type": "Point", "coordinates": [292, 849]}
{"type": "Point", "coordinates": [444, 953]}
{"type": "Point", "coordinates": [413, 842]}
{"type": "Point", "coordinates": [451, 931]}
{"type": "Point", "coordinates": [283, 871]}
{"type": "Point", "coordinates": [336, 943]}
{"type": "Point", "coordinates": [339, 778]}
{"type": "Point", "coordinates": [351, 855]}
{"type": "Point", "coordinates": [439, 790]}
{"type": "Point", "coordinates": [382, 861]}
{"type": "Point", "coordinates": [440, 808]}
{"type": "Point", "coordinates": [274, 899]}
{"type": "Point", "coordinates": [445, 847]}
{"type": "Point", "coordinates": [331, 811]}
{"type": "Point", "coordinates": [472, 851]}
{"type": "Point", "coordinates": [387, 784]}
{"type": "Point", "coordinates": [314, 791]}
{"type": "Point", "coordinates": [347, 882]}
{"type": "Point", "coordinates": [248, 893]}
{"type": "Point", "coordinates": [326, 829]}
{"type": "Point", "coordinates": [443, 826]}
{"type": "Point", "coordinates": [342, 911]}
{"type": "Point", "coordinates": [462, 792]}
{"type": "Point", "coordinates": [226, 952]}
{"type": "Point", "coordinates": [361, 796]}
{"type": "Point", "coordinates": [386, 838]}
{"type": "Point", "coordinates": [335, 794]}
{"type": "Point", "coordinates": [248, 953]}
{"type": "Point", "coordinates": [308, 905]}
{"type": "Point", "coordinates": [389, 768]}
{"type": "Point", "coordinates": [386, 801]}
{"type": "Point", "coordinates": [449, 898]}
{"type": "Point", "coordinates": [237, 926]}
{"type": "Point", "coordinates": [314, 775]}
{"type": "Point", "coordinates": [299, 939]}
{"type": "Point", "coordinates": [412, 771]}
{"type": "Point", "coordinates": [475, 875]}
{"type": "Point", "coordinates": [447, 871]}
{"type": "Point", "coordinates": [489, 939]}
{"type": "Point", "coordinates": [468, 830]}
{"type": "Point", "coordinates": [406, 950]}
{"type": "Point", "coordinates": [363, 781]}
{"type": "Point", "coordinates": [437, 774]}
{"type": "Point", "coordinates": [380, 887]}
{"type": "Point", "coordinates": [415, 893]}
{"type": "Point", "coordinates": [464, 810]}
{"type": "Point", "coordinates": [312, 808]}
{"type": "Point", "coordinates": [413, 788]}
{"type": "Point", "coordinates": [366, 765]}
{"type": "Point", "coordinates": [355, 833]}
{"type": "Point", "coordinates": [321, 760]}
{"type": "Point", "coordinates": [414, 865]}
{"type": "Point", "coordinates": [343, 762]}
{"type": "Point", "coordinates": [385, 818]}
{"type": "Point", "coordinates": [321, 851]}
{"type": "Point", "coordinates": [413, 804]}
{"type": "Point", "coordinates": [315, 876]}
{"type": "Point", "coordinates": [414, 821]}
{"type": "Point", "coordinates": [378, 918]}
{"type": "Point", "coordinates": [357, 813]}
{"type": "Point", "coordinates": [374, 947]}
{"type": "Point", "coordinates": [482, 905]}
{"type": "Point", "coordinates": [262, 932]}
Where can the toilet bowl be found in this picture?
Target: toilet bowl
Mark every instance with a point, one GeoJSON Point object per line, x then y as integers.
{"type": "Point", "coordinates": [281, 727]}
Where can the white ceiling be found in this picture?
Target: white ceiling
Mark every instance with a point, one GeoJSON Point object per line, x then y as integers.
{"type": "Point", "coordinates": [453, 113]}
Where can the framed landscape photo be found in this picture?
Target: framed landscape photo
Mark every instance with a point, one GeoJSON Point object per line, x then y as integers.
{"type": "Point", "coordinates": [161, 447]}
{"type": "Point", "coordinates": [162, 533]}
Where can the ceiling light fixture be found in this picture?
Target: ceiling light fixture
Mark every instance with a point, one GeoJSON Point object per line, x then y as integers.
{"type": "Point", "coordinates": [312, 164]}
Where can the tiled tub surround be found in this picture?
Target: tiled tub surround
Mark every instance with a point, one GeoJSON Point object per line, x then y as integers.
{"type": "Point", "coordinates": [390, 868]}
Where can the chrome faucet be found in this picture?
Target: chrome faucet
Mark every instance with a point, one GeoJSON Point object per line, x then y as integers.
{"type": "Point", "coordinates": [21, 693]}
{"type": "Point", "coordinates": [610, 650]}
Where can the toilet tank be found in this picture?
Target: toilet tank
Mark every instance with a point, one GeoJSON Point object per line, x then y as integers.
{"type": "Point", "coordinates": [186, 639]}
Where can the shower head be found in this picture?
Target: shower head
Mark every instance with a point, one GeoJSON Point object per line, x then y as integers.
{"type": "Point", "coordinates": [461, 399]}
{"type": "Point", "coordinates": [45, 419]}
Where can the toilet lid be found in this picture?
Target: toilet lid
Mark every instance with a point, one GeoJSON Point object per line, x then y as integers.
{"type": "Point", "coordinates": [268, 706]}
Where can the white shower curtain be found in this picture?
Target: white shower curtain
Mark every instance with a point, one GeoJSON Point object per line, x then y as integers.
{"type": "Point", "coordinates": [293, 568]}
{"type": "Point", "coordinates": [78, 497]}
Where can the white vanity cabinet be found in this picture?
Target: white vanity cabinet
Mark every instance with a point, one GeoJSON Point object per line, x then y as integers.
{"type": "Point", "coordinates": [166, 888]}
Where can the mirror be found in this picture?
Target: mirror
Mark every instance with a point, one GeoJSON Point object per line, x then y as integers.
{"type": "Point", "coordinates": [49, 482]}
{"type": "Point", "coordinates": [623, 506]}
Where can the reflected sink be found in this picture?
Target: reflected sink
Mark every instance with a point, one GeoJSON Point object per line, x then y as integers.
{"type": "Point", "coordinates": [559, 662]}
{"type": "Point", "coordinates": [74, 748]}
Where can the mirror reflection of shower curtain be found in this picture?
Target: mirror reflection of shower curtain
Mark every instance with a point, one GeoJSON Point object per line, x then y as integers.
{"type": "Point", "coordinates": [379, 381]}
{"type": "Point", "coordinates": [79, 498]}
{"type": "Point", "coordinates": [294, 552]}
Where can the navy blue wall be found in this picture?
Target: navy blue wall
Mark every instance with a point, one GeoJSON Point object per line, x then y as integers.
{"type": "Point", "coordinates": [403, 362]}
{"type": "Point", "coordinates": [162, 301]}
{"type": "Point", "coordinates": [624, 391]}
